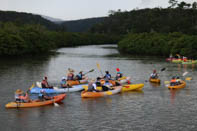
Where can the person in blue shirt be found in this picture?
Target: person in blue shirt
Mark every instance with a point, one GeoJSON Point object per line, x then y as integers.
{"type": "Point", "coordinates": [107, 76]}
{"type": "Point", "coordinates": [79, 76]}
{"type": "Point", "coordinates": [63, 83]}
{"type": "Point", "coordinates": [118, 75]}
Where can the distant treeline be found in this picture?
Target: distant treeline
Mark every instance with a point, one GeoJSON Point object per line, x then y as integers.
{"type": "Point", "coordinates": [159, 44]}
{"type": "Point", "coordinates": [82, 25]}
{"type": "Point", "coordinates": [149, 20]}
{"type": "Point", "coordinates": [36, 39]}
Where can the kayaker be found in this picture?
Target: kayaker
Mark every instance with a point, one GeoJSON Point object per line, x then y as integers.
{"type": "Point", "coordinates": [70, 75]}
{"type": "Point", "coordinates": [92, 87]}
{"type": "Point", "coordinates": [107, 76]}
{"type": "Point", "coordinates": [79, 76]}
{"type": "Point", "coordinates": [108, 85]}
{"type": "Point", "coordinates": [43, 96]}
{"type": "Point", "coordinates": [45, 83]}
{"type": "Point", "coordinates": [184, 59]}
{"type": "Point", "coordinates": [21, 97]}
{"type": "Point", "coordinates": [173, 81]}
{"type": "Point", "coordinates": [63, 83]}
{"type": "Point", "coordinates": [118, 75]}
{"type": "Point", "coordinates": [154, 75]}
{"type": "Point", "coordinates": [178, 80]}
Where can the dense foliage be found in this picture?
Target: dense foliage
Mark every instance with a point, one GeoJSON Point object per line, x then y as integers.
{"type": "Point", "coordinates": [159, 44]}
{"type": "Point", "coordinates": [150, 20]}
{"type": "Point", "coordinates": [34, 39]}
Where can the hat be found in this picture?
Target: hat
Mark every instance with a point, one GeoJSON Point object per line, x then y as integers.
{"type": "Point", "coordinates": [63, 78]}
{"type": "Point", "coordinates": [44, 78]}
{"type": "Point", "coordinates": [71, 70]}
{"type": "Point", "coordinates": [19, 91]}
{"type": "Point", "coordinates": [154, 70]}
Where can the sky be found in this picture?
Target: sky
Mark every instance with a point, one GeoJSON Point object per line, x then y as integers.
{"type": "Point", "coordinates": [78, 9]}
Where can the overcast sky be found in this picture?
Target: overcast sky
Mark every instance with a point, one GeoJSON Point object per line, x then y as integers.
{"type": "Point", "coordinates": [78, 9]}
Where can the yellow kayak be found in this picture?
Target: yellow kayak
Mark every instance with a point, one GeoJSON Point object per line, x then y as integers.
{"type": "Point", "coordinates": [87, 94]}
{"type": "Point", "coordinates": [182, 85]}
{"type": "Point", "coordinates": [130, 87]}
{"type": "Point", "coordinates": [154, 80]}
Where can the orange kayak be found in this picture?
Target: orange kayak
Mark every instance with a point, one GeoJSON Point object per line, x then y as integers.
{"type": "Point", "coordinates": [56, 99]}
{"type": "Point", "coordinates": [182, 85]}
{"type": "Point", "coordinates": [86, 94]}
{"type": "Point", "coordinates": [76, 82]}
{"type": "Point", "coordinates": [154, 80]}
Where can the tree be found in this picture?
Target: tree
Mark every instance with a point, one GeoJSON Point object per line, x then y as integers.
{"type": "Point", "coordinates": [194, 5]}
{"type": "Point", "coordinates": [172, 3]}
{"type": "Point", "coordinates": [182, 5]}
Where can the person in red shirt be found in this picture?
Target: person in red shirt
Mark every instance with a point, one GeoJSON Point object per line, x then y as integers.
{"type": "Point", "coordinates": [45, 83]}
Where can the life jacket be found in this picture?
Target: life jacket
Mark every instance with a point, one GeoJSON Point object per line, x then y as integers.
{"type": "Point", "coordinates": [70, 76]}
{"type": "Point", "coordinates": [79, 77]}
{"type": "Point", "coordinates": [173, 80]}
{"type": "Point", "coordinates": [45, 84]}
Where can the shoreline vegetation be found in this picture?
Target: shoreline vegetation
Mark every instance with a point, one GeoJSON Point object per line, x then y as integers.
{"type": "Point", "coordinates": [36, 39]}
{"type": "Point", "coordinates": [152, 32]}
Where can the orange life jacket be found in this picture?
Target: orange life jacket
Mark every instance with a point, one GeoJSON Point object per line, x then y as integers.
{"type": "Point", "coordinates": [173, 80]}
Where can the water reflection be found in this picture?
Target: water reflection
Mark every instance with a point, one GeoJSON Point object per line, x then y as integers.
{"type": "Point", "coordinates": [150, 109]}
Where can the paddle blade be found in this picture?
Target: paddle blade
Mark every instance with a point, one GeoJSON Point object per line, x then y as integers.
{"type": "Point", "coordinates": [185, 73]}
{"type": "Point", "coordinates": [167, 82]}
{"type": "Point", "coordinates": [117, 69]}
{"type": "Point", "coordinates": [33, 85]}
{"type": "Point", "coordinates": [55, 104]}
{"type": "Point", "coordinates": [98, 66]}
{"type": "Point", "coordinates": [188, 78]}
{"type": "Point", "coordinates": [163, 69]}
{"type": "Point", "coordinates": [91, 70]}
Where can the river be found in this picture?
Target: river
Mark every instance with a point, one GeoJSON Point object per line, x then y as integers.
{"type": "Point", "coordinates": [156, 108]}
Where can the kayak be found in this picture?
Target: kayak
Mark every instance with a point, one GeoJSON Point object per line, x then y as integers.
{"type": "Point", "coordinates": [76, 82]}
{"type": "Point", "coordinates": [122, 80]}
{"type": "Point", "coordinates": [130, 87]}
{"type": "Point", "coordinates": [190, 62]}
{"type": "Point", "coordinates": [182, 85]}
{"type": "Point", "coordinates": [176, 61]}
{"type": "Point", "coordinates": [55, 99]}
{"type": "Point", "coordinates": [86, 94]}
{"type": "Point", "coordinates": [57, 90]}
{"type": "Point", "coordinates": [154, 80]}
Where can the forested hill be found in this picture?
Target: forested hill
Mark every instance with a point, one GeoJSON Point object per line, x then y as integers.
{"type": "Point", "coordinates": [21, 18]}
{"type": "Point", "coordinates": [82, 25]}
{"type": "Point", "coordinates": [150, 20]}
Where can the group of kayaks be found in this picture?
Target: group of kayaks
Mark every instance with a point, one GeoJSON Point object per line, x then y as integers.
{"type": "Point", "coordinates": [181, 61]}
{"type": "Point", "coordinates": [36, 89]}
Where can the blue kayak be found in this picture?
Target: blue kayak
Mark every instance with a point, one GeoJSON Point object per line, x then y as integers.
{"type": "Point", "coordinates": [57, 90]}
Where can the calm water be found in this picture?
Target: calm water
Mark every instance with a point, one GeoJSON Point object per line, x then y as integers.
{"type": "Point", "coordinates": [156, 108]}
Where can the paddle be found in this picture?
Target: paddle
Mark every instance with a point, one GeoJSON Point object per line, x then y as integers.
{"type": "Point", "coordinates": [89, 71]}
{"type": "Point", "coordinates": [98, 66]}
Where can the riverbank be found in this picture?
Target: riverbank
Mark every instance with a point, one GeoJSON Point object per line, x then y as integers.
{"type": "Point", "coordinates": [158, 44]}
